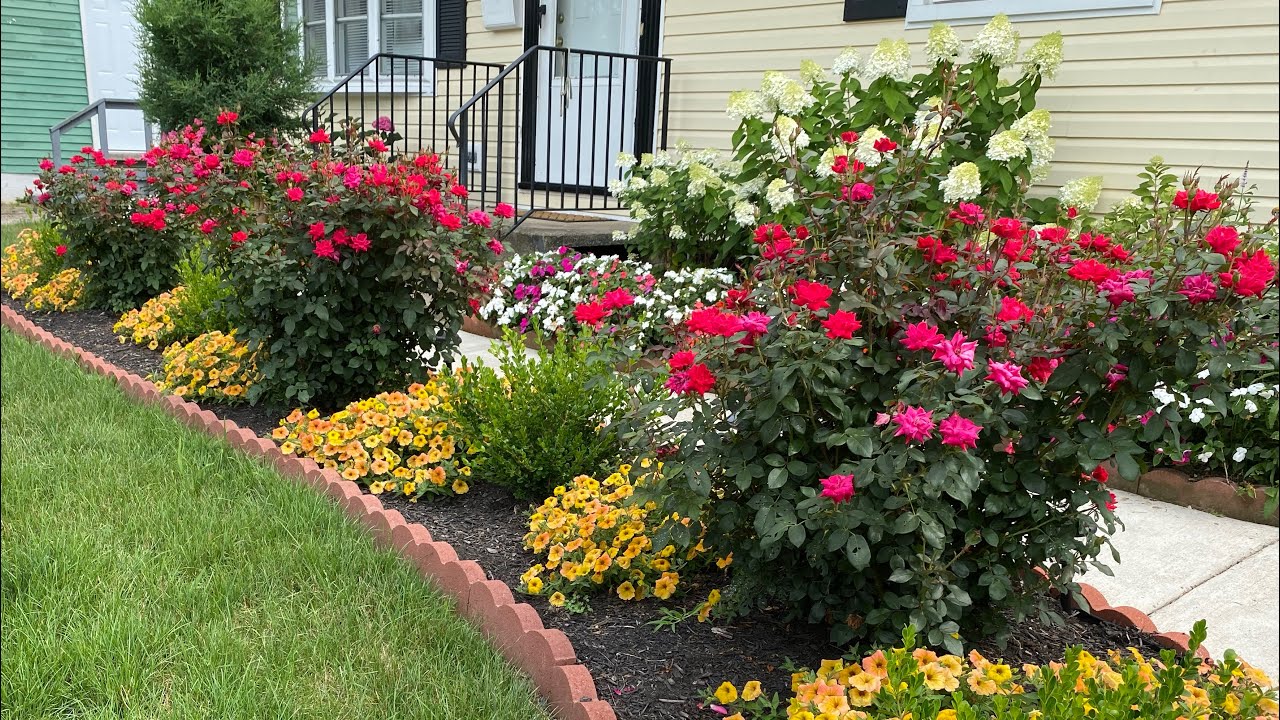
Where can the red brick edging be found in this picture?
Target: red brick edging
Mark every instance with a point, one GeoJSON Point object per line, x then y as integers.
{"type": "Point", "coordinates": [515, 629]}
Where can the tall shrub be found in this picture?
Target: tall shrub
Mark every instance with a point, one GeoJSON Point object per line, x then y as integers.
{"type": "Point", "coordinates": [199, 57]}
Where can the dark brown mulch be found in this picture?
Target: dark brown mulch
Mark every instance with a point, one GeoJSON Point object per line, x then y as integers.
{"type": "Point", "coordinates": [644, 672]}
{"type": "Point", "coordinates": [91, 330]}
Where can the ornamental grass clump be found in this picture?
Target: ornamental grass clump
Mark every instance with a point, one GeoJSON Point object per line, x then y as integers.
{"type": "Point", "coordinates": [907, 681]}
{"type": "Point", "coordinates": [957, 120]}
{"type": "Point", "coordinates": [901, 421]}
{"type": "Point", "coordinates": [395, 442]}
{"type": "Point", "coordinates": [589, 536]}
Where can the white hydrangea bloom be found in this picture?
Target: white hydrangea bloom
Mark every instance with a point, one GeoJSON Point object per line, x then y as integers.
{"type": "Point", "coordinates": [1081, 193]}
{"type": "Point", "coordinates": [646, 159]}
{"type": "Point", "coordinates": [1006, 146]}
{"type": "Point", "coordinates": [746, 104]}
{"type": "Point", "coordinates": [779, 194]}
{"type": "Point", "coordinates": [785, 94]}
{"type": "Point", "coordinates": [847, 62]}
{"type": "Point", "coordinates": [677, 232]}
{"type": "Point", "coordinates": [663, 158]}
{"type": "Point", "coordinates": [865, 148]}
{"type": "Point", "coordinates": [997, 41]}
{"type": "Point", "coordinates": [1045, 56]}
{"type": "Point", "coordinates": [1240, 454]}
{"type": "Point", "coordinates": [1041, 155]}
{"type": "Point", "coordinates": [744, 213]}
{"type": "Point", "coordinates": [1032, 125]}
{"type": "Point", "coordinates": [891, 59]}
{"type": "Point", "coordinates": [963, 182]}
{"type": "Point", "coordinates": [943, 44]}
{"type": "Point", "coordinates": [626, 160]}
{"type": "Point", "coordinates": [701, 177]}
{"type": "Point", "coordinates": [640, 212]}
{"type": "Point", "coordinates": [659, 177]}
{"type": "Point", "coordinates": [621, 236]}
{"type": "Point", "coordinates": [617, 187]}
{"type": "Point", "coordinates": [636, 184]}
{"type": "Point", "coordinates": [811, 72]}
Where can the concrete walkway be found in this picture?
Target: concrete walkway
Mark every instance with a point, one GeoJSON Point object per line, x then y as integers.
{"type": "Point", "coordinates": [1179, 565]}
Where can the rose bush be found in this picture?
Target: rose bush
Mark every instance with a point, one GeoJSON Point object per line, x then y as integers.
{"type": "Point", "coordinates": [956, 119]}
{"type": "Point", "coordinates": [902, 418]}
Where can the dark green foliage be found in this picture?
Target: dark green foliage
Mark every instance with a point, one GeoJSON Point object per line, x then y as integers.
{"type": "Point", "coordinates": [200, 57]}
{"type": "Point", "coordinates": [539, 422]}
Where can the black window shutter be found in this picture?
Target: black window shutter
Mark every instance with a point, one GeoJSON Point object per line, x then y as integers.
{"type": "Point", "coordinates": [874, 9]}
{"type": "Point", "coordinates": [451, 30]}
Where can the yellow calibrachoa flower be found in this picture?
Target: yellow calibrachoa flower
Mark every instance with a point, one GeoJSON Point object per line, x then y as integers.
{"type": "Point", "coordinates": [60, 294]}
{"type": "Point", "coordinates": [591, 535]}
{"type": "Point", "coordinates": [395, 436]}
{"type": "Point", "coordinates": [751, 690]}
{"type": "Point", "coordinates": [21, 270]}
{"type": "Point", "coordinates": [189, 366]}
{"type": "Point", "coordinates": [726, 693]}
{"type": "Point", "coordinates": [20, 264]}
{"type": "Point", "coordinates": [152, 324]}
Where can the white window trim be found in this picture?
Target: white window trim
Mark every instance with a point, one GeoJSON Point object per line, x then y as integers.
{"type": "Point", "coordinates": [325, 83]}
{"type": "Point", "coordinates": [923, 13]}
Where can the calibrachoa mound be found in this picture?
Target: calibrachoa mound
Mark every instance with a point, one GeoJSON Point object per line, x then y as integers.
{"type": "Point", "coordinates": [33, 268]}
{"type": "Point", "coordinates": [393, 443]}
{"type": "Point", "coordinates": [592, 537]}
{"type": "Point", "coordinates": [60, 294]}
{"type": "Point", "coordinates": [151, 324]}
{"type": "Point", "coordinates": [214, 365]}
{"type": "Point", "coordinates": [918, 683]}
{"type": "Point", "coordinates": [544, 291]}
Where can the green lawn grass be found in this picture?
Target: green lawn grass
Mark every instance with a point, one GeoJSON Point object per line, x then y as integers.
{"type": "Point", "coordinates": [149, 571]}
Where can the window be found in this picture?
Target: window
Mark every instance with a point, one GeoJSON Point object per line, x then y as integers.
{"type": "Point", "coordinates": [874, 9]}
{"type": "Point", "coordinates": [923, 13]}
{"type": "Point", "coordinates": [343, 34]}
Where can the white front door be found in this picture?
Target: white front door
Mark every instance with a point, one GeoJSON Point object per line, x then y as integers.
{"type": "Point", "coordinates": [111, 64]}
{"type": "Point", "coordinates": [586, 104]}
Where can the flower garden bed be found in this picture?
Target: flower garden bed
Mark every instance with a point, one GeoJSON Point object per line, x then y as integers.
{"type": "Point", "coordinates": [640, 670]}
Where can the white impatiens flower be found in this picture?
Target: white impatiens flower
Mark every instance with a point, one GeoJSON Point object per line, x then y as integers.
{"type": "Point", "coordinates": [943, 44]}
{"type": "Point", "coordinates": [891, 59]}
{"type": "Point", "coordinates": [1203, 374]}
{"type": "Point", "coordinates": [676, 232]}
{"type": "Point", "coordinates": [785, 94]}
{"type": "Point", "coordinates": [626, 160]}
{"type": "Point", "coordinates": [1250, 406]}
{"type": "Point", "coordinates": [1045, 56]}
{"type": "Point", "coordinates": [964, 182]}
{"type": "Point", "coordinates": [811, 72]}
{"type": "Point", "coordinates": [1081, 193]}
{"type": "Point", "coordinates": [998, 41]}
{"type": "Point", "coordinates": [744, 213]}
{"type": "Point", "coordinates": [1197, 414]}
{"type": "Point", "coordinates": [1205, 456]}
{"type": "Point", "coordinates": [849, 61]}
{"type": "Point", "coordinates": [746, 104]}
{"type": "Point", "coordinates": [779, 194]}
{"type": "Point", "coordinates": [865, 148]}
{"type": "Point", "coordinates": [1240, 454]}
{"type": "Point", "coordinates": [1006, 146]}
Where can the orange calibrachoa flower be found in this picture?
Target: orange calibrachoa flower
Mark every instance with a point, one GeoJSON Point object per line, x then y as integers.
{"type": "Point", "coordinates": [24, 273]}
{"type": "Point", "coordinates": [214, 365]}
{"type": "Point", "coordinates": [395, 442]}
{"type": "Point", "coordinates": [151, 324]}
{"type": "Point", "coordinates": [592, 535]}
{"type": "Point", "coordinates": [922, 685]}
{"type": "Point", "coordinates": [60, 294]}
{"type": "Point", "coordinates": [20, 264]}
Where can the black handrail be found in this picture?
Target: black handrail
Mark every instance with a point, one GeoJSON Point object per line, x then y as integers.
{"type": "Point", "coordinates": [99, 110]}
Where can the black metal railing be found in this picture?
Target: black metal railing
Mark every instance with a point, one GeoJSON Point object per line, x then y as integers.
{"type": "Point", "coordinates": [98, 111]}
{"type": "Point", "coordinates": [545, 132]}
{"type": "Point", "coordinates": [410, 94]}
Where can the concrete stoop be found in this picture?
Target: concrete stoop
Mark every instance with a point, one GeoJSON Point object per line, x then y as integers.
{"type": "Point", "coordinates": [540, 235]}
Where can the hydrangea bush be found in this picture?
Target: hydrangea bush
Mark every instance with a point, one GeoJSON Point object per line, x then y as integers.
{"type": "Point", "coordinates": [902, 420]}
{"type": "Point", "coordinates": [911, 682]}
{"type": "Point", "coordinates": [958, 120]}
{"type": "Point", "coordinates": [543, 291]}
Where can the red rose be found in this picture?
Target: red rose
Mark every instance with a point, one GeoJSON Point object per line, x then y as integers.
{"type": "Point", "coordinates": [60, 250]}
{"type": "Point", "coordinates": [698, 379]}
{"type": "Point", "coordinates": [503, 210]}
{"type": "Point", "coordinates": [1012, 310]}
{"type": "Point", "coordinates": [1092, 271]}
{"type": "Point", "coordinates": [841, 325]}
{"type": "Point", "coordinates": [319, 137]}
{"type": "Point", "coordinates": [591, 314]}
{"type": "Point", "coordinates": [1041, 369]}
{"type": "Point", "coordinates": [227, 117]}
{"type": "Point", "coordinates": [1223, 239]}
{"type": "Point", "coordinates": [885, 145]}
{"type": "Point", "coordinates": [1007, 228]}
{"type": "Point", "coordinates": [711, 321]}
{"type": "Point", "coordinates": [294, 194]}
{"type": "Point", "coordinates": [324, 249]}
{"type": "Point", "coordinates": [859, 192]}
{"type": "Point", "coordinates": [811, 295]}
{"type": "Point", "coordinates": [848, 137]}
{"type": "Point", "coordinates": [681, 360]}
{"type": "Point", "coordinates": [1256, 272]}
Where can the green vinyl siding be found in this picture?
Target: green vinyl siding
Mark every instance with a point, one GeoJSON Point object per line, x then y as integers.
{"type": "Point", "coordinates": [42, 81]}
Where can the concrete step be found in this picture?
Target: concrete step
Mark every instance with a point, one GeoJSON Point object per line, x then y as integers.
{"type": "Point", "coordinates": [540, 235]}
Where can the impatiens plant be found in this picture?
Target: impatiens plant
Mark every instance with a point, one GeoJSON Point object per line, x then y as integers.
{"type": "Point", "coordinates": [900, 423]}
{"type": "Point", "coordinates": [395, 442]}
{"type": "Point", "coordinates": [824, 136]}
{"type": "Point", "coordinates": [913, 682]}
{"type": "Point", "coordinates": [544, 291]}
